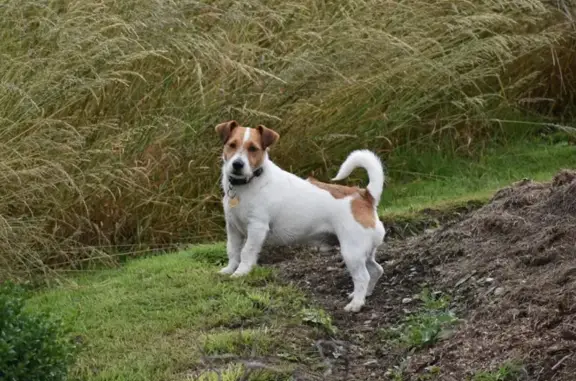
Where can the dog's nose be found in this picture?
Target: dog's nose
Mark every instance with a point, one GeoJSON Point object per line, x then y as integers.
{"type": "Point", "coordinates": [237, 165]}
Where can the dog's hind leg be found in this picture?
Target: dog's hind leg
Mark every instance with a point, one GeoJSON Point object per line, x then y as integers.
{"type": "Point", "coordinates": [375, 271]}
{"type": "Point", "coordinates": [355, 258]}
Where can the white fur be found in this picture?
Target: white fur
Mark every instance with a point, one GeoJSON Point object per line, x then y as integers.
{"type": "Point", "coordinates": [279, 208]}
{"type": "Point", "coordinates": [368, 160]}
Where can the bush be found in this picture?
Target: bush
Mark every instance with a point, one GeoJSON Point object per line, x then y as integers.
{"type": "Point", "coordinates": [33, 347]}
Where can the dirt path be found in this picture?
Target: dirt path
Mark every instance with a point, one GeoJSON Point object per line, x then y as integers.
{"type": "Point", "coordinates": [510, 267]}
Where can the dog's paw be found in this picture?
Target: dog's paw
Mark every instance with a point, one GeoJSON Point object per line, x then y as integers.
{"type": "Point", "coordinates": [353, 306]}
{"type": "Point", "coordinates": [323, 248]}
{"type": "Point", "coordinates": [241, 271]}
{"type": "Point", "coordinates": [227, 270]}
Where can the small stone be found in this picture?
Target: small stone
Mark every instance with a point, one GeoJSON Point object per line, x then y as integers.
{"type": "Point", "coordinates": [367, 322]}
{"type": "Point", "coordinates": [499, 291]}
{"type": "Point", "coordinates": [407, 300]}
{"type": "Point", "coordinates": [332, 269]}
{"type": "Point", "coordinates": [490, 290]}
{"type": "Point", "coordinates": [371, 363]}
{"type": "Point", "coordinates": [374, 316]}
{"type": "Point", "coordinates": [489, 280]}
{"type": "Point", "coordinates": [462, 280]}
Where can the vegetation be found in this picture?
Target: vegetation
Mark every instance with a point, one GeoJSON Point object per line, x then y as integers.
{"type": "Point", "coordinates": [107, 107]}
{"type": "Point", "coordinates": [445, 180]}
{"type": "Point", "coordinates": [168, 317]}
{"type": "Point", "coordinates": [509, 371]}
{"type": "Point", "coordinates": [425, 327]}
{"type": "Point", "coordinates": [33, 346]}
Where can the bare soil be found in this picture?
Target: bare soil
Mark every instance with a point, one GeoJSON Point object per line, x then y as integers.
{"type": "Point", "coordinates": [510, 267]}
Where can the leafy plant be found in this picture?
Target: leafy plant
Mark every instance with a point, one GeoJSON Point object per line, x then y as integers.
{"type": "Point", "coordinates": [426, 326]}
{"type": "Point", "coordinates": [33, 347]}
{"type": "Point", "coordinates": [319, 318]}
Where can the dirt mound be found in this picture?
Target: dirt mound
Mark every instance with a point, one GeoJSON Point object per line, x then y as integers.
{"type": "Point", "coordinates": [510, 267]}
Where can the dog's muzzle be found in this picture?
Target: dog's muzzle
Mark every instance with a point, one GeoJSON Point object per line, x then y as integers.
{"type": "Point", "coordinates": [243, 180]}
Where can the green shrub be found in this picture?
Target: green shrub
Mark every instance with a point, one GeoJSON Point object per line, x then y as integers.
{"type": "Point", "coordinates": [33, 347]}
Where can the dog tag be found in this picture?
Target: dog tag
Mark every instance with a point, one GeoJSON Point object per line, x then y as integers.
{"type": "Point", "coordinates": [233, 202]}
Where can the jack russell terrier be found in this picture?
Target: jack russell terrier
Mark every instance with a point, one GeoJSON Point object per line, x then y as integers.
{"type": "Point", "coordinates": [265, 205]}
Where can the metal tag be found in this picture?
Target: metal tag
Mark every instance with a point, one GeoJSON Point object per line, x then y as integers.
{"type": "Point", "coordinates": [233, 202]}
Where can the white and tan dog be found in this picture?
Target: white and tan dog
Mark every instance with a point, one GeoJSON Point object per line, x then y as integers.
{"type": "Point", "coordinates": [265, 205]}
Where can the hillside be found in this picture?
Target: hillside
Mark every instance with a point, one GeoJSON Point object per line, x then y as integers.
{"type": "Point", "coordinates": [488, 297]}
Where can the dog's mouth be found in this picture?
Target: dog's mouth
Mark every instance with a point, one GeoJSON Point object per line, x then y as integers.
{"type": "Point", "coordinates": [238, 175]}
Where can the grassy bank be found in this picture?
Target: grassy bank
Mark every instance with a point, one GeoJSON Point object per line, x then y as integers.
{"type": "Point", "coordinates": [107, 107]}
{"type": "Point", "coordinates": [446, 180]}
{"type": "Point", "coordinates": [158, 318]}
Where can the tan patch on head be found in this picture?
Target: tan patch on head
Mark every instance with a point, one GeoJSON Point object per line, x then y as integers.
{"type": "Point", "coordinates": [234, 142]}
{"type": "Point", "coordinates": [253, 141]}
{"type": "Point", "coordinates": [225, 129]}
{"type": "Point", "coordinates": [362, 203]}
{"type": "Point", "coordinates": [254, 148]}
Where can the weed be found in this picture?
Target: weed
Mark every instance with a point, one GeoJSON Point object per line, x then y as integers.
{"type": "Point", "coordinates": [425, 327]}
{"type": "Point", "coordinates": [318, 318]}
{"type": "Point", "coordinates": [509, 371]}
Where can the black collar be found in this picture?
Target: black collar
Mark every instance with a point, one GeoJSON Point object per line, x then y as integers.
{"type": "Point", "coordinates": [243, 180]}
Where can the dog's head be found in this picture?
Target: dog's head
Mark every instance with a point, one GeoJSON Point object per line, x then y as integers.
{"type": "Point", "coordinates": [244, 148]}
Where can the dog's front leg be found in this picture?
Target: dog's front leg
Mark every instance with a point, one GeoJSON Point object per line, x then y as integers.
{"type": "Point", "coordinates": [234, 243]}
{"type": "Point", "coordinates": [257, 233]}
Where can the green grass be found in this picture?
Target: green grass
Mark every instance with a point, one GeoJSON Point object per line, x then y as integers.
{"type": "Point", "coordinates": [153, 318]}
{"type": "Point", "coordinates": [448, 180]}
{"type": "Point", "coordinates": [509, 371]}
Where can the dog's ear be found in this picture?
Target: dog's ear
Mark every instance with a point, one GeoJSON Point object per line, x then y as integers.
{"type": "Point", "coordinates": [225, 129]}
{"type": "Point", "coordinates": [268, 136]}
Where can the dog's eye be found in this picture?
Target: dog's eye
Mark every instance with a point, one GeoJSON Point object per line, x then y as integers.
{"type": "Point", "coordinates": [252, 148]}
{"type": "Point", "coordinates": [232, 145]}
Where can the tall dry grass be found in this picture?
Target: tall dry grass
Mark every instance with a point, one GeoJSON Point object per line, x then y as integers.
{"type": "Point", "coordinates": [107, 107]}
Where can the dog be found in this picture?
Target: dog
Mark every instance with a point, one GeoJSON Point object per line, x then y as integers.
{"type": "Point", "coordinates": [266, 205]}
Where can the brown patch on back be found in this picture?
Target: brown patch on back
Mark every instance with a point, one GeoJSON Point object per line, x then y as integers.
{"type": "Point", "coordinates": [362, 201]}
{"type": "Point", "coordinates": [337, 191]}
{"type": "Point", "coordinates": [363, 210]}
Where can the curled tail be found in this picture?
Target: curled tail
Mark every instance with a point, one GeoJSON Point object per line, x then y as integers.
{"type": "Point", "coordinates": [369, 161]}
